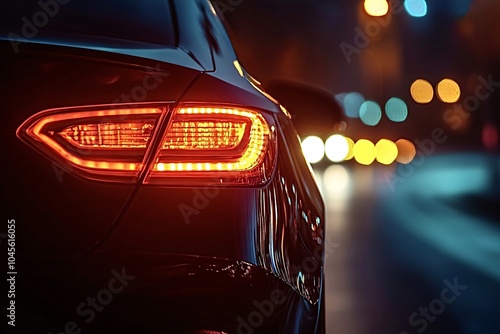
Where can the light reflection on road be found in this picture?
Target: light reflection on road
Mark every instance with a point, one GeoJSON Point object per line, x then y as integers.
{"type": "Point", "coordinates": [339, 185]}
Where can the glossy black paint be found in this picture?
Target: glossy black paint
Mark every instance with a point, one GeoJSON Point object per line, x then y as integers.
{"type": "Point", "coordinates": [191, 272]}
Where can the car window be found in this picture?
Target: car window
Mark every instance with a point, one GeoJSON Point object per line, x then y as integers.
{"type": "Point", "coordinates": [145, 21]}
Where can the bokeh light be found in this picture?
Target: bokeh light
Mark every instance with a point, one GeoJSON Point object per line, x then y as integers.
{"type": "Point", "coordinates": [459, 7]}
{"type": "Point", "coordinates": [490, 136]}
{"type": "Point", "coordinates": [350, 155]}
{"type": "Point", "coordinates": [337, 148]}
{"type": "Point", "coordinates": [351, 103]}
{"type": "Point", "coordinates": [406, 151]}
{"type": "Point", "coordinates": [376, 7]}
{"type": "Point", "coordinates": [416, 8]}
{"type": "Point", "coordinates": [448, 91]}
{"type": "Point", "coordinates": [370, 113]}
{"type": "Point", "coordinates": [396, 110]}
{"type": "Point", "coordinates": [364, 152]}
{"type": "Point", "coordinates": [422, 91]}
{"type": "Point", "coordinates": [386, 151]}
{"type": "Point", "coordinates": [313, 149]}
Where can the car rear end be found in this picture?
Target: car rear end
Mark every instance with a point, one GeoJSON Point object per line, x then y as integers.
{"type": "Point", "coordinates": [154, 187]}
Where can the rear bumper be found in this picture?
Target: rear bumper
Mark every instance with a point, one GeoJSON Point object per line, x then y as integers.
{"type": "Point", "coordinates": [156, 293]}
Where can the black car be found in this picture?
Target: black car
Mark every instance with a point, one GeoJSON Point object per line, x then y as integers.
{"type": "Point", "coordinates": [150, 184]}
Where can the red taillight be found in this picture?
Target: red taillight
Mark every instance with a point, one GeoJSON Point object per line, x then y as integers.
{"type": "Point", "coordinates": [101, 144]}
{"type": "Point", "coordinates": [228, 145]}
{"type": "Point", "coordinates": [222, 145]}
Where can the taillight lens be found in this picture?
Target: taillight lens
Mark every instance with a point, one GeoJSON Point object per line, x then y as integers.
{"type": "Point", "coordinates": [104, 144]}
{"type": "Point", "coordinates": [221, 145]}
{"type": "Point", "coordinates": [110, 135]}
{"type": "Point", "coordinates": [199, 145]}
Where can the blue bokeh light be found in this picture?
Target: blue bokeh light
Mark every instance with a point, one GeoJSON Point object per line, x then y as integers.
{"type": "Point", "coordinates": [370, 113]}
{"type": "Point", "coordinates": [396, 110]}
{"type": "Point", "coordinates": [351, 102]}
{"type": "Point", "coordinates": [416, 8]}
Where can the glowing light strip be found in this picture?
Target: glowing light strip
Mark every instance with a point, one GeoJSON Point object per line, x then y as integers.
{"type": "Point", "coordinates": [35, 131]}
{"type": "Point", "coordinates": [251, 157]}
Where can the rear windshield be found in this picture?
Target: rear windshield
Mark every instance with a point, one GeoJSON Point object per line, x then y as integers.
{"type": "Point", "coordinates": [145, 21]}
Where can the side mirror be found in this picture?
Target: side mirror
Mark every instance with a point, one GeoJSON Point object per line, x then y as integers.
{"type": "Point", "coordinates": [314, 110]}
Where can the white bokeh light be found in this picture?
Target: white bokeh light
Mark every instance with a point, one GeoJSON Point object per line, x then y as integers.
{"type": "Point", "coordinates": [313, 149]}
{"type": "Point", "coordinates": [337, 148]}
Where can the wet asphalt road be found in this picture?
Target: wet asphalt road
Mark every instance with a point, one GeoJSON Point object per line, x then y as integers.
{"type": "Point", "coordinates": [417, 256]}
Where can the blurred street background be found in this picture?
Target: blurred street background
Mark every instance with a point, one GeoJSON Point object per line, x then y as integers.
{"type": "Point", "coordinates": [411, 179]}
